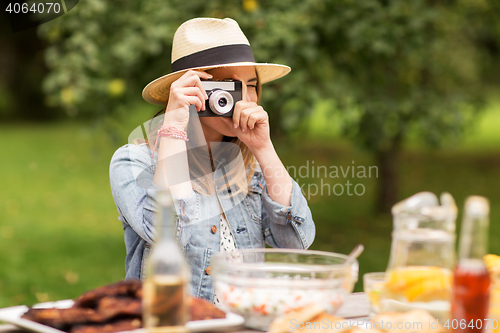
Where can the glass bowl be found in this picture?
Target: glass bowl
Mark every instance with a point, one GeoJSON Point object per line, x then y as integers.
{"type": "Point", "coordinates": [261, 284]}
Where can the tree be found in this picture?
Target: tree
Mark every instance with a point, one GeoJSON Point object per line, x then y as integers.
{"type": "Point", "coordinates": [21, 60]}
{"type": "Point", "coordinates": [403, 68]}
{"type": "Point", "coordinates": [391, 68]}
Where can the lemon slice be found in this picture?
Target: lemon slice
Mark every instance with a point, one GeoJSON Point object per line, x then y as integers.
{"type": "Point", "coordinates": [492, 262]}
{"type": "Point", "coordinates": [420, 284]}
{"type": "Point", "coordinates": [374, 297]}
{"type": "Point", "coordinates": [434, 288]}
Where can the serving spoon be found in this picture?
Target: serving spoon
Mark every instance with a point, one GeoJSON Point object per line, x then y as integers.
{"type": "Point", "coordinates": [358, 249]}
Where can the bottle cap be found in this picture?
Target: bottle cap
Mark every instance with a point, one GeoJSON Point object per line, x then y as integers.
{"type": "Point", "coordinates": [477, 206]}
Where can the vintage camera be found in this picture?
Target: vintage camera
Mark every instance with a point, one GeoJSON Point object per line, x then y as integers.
{"type": "Point", "coordinates": [222, 97]}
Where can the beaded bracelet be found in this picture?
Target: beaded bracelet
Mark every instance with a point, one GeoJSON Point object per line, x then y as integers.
{"type": "Point", "coordinates": [171, 132]}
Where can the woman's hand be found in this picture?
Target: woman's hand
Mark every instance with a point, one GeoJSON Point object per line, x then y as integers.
{"type": "Point", "coordinates": [185, 91]}
{"type": "Point", "coordinates": [253, 129]}
{"type": "Point", "coordinates": [251, 124]}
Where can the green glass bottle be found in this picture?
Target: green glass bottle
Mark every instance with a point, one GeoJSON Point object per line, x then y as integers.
{"type": "Point", "coordinates": [165, 294]}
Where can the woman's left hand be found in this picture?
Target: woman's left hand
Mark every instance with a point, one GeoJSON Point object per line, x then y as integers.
{"type": "Point", "coordinates": [251, 125]}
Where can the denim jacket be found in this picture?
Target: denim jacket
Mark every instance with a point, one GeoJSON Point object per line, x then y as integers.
{"type": "Point", "coordinates": [254, 221]}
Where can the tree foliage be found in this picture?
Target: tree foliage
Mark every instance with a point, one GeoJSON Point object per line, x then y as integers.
{"type": "Point", "coordinates": [403, 66]}
{"type": "Point", "coordinates": [386, 66]}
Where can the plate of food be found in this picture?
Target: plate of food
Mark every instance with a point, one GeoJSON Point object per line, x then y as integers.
{"type": "Point", "coordinates": [113, 308]}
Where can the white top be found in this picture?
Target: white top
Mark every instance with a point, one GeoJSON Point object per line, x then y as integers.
{"type": "Point", "coordinates": [227, 242]}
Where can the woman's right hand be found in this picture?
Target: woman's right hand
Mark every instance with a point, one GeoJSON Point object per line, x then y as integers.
{"type": "Point", "coordinates": [185, 91]}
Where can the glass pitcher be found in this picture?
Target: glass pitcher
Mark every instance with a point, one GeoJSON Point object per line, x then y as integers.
{"type": "Point", "coordinates": [420, 269]}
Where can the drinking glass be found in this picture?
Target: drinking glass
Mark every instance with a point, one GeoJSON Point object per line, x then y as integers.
{"type": "Point", "coordinates": [373, 286]}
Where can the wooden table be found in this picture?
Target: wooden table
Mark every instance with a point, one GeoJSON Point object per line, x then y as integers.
{"type": "Point", "coordinates": [356, 306]}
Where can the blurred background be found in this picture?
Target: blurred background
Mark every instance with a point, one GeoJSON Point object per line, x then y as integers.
{"type": "Point", "coordinates": [408, 90]}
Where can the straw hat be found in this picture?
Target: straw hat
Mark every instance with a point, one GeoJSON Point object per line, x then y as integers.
{"type": "Point", "coordinates": [206, 43]}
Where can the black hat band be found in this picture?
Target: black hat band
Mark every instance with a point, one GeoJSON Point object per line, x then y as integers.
{"type": "Point", "coordinates": [220, 55]}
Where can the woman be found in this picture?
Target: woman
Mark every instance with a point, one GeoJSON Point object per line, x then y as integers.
{"type": "Point", "coordinates": [229, 186]}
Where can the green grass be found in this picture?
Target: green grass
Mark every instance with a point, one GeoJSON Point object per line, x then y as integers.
{"type": "Point", "coordinates": [59, 233]}
{"type": "Point", "coordinates": [486, 134]}
{"type": "Point", "coordinates": [58, 228]}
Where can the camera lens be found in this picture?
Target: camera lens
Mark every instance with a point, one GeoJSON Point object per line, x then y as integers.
{"type": "Point", "coordinates": [220, 101]}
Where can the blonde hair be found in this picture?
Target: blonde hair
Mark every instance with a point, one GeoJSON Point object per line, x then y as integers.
{"type": "Point", "coordinates": [200, 171]}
